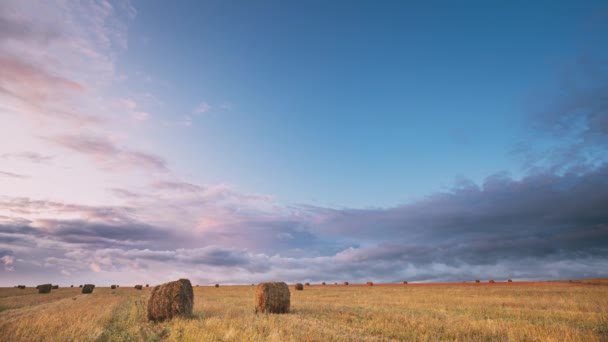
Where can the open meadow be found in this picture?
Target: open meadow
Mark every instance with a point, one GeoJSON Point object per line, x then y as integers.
{"type": "Point", "coordinates": [544, 311]}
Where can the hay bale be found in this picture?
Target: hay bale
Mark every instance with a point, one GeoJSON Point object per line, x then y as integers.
{"type": "Point", "coordinates": [491, 281]}
{"type": "Point", "coordinates": [369, 283]}
{"type": "Point", "coordinates": [138, 287]}
{"type": "Point", "coordinates": [272, 297]}
{"type": "Point", "coordinates": [71, 285]}
{"type": "Point", "coordinates": [217, 285]}
{"type": "Point", "coordinates": [44, 288]}
{"type": "Point", "coordinates": [21, 287]}
{"type": "Point", "coordinates": [55, 287]}
{"type": "Point", "coordinates": [477, 281]}
{"type": "Point", "coordinates": [323, 283]}
{"type": "Point", "coordinates": [299, 287]}
{"type": "Point", "coordinates": [509, 281]}
{"type": "Point", "coordinates": [171, 299]}
{"type": "Point", "coordinates": [113, 287]}
{"type": "Point", "coordinates": [336, 283]}
{"type": "Point", "coordinates": [346, 283]}
{"type": "Point", "coordinates": [405, 282]}
{"type": "Point", "coordinates": [88, 288]}
{"type": "Point", "coordinates": [79, 285]}
{"type": "Point", "coordinates": [147, 285]}
{"type": "Point", "coordinates": [307, 284]}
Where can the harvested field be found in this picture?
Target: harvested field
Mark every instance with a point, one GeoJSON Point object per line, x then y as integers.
{"type": "Point", "coordinates": [529, 311]}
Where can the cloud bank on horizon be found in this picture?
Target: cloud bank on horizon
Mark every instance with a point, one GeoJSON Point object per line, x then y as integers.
{"type": "Point", "coordinates": [89, 195]}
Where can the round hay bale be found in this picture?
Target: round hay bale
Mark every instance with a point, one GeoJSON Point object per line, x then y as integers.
{"type": "Point", "coordinates": [171, 299]}
{"type": "Point", "coordinates": [272, 297]}
{"type": "Point", "coordinates": [477, 281]}
{"type": "Point", "coordinates": [323, 283]}
{"type": "Point", "coordinates": [147, 285]}
{"type": "Point", "coordinates": [113, 287]}
{"type": "Point", "coordinates": [369, 283]}
{"type": "Point", "coordinates": [55, 287]}
{"type": "Point", "coordinates": [44, 288]}
{"type": "Point", "coordinates": [405, 282]}
{"type": "Point", "coordinates": [346, 283]}
{"type": "Point", "coordinates": [79, 285]}
{"type": "Point", "coordinates": [307, 284]}
{"type": "Point", "coordinates": [491, 281]}
{"type": "Point", "coordinates": [71, 285]}
{"type": "Point", "coordinates": [336, 283]}
{"type": "Point", "coordinates": [299, 287]}
{"type": "Point", "coordinates": [217, 285]}
{"type": "Point", "coordinates": [509, 281]}
{"type": "Point", "coordinates": [88, 288]}
{"type": "Point", "coordinates": [138, 287]}
{"type": "Point", "coordinates": [21, 286]}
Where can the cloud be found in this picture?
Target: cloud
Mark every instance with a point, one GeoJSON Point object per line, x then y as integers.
{"type": "Point", "coordinates": [108, 153]}
{"type": "Point", "coordinates": [202, 108]}
{"type": "Point", "coordinates": [8, 261]}
{"type": "Point", "coordinates": [33, 157]}
{"type": "Point", "coordinates": [12, 175]}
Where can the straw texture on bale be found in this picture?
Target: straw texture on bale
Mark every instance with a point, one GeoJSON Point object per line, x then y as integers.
{"type": "Point", "coordinates": [345, 283]}
{"type": "Point", "coordinates": [44, 288]}
{"type": "Point", "coordinates": [272, 297]}
{"type": "Point", "coordinates": [21, 286]}
{"type": "Point", "coordinates": [138, 287]}
{"type": "Point", "coordinates": [369, 283]}
{"type": "Point", "coordinates": [299, 287]}
{"type": "Point", "coordinates": [88, 288]}
{"type": "Point", "coordinates": [171, 299]}
{"type": "Point", "coordinates": [55, 287]}
{"type": "Point", "coordinates": [113, 287]}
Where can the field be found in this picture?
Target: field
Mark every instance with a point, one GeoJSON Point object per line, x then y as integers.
{"type": "Point", "coordinates": [544, 311]}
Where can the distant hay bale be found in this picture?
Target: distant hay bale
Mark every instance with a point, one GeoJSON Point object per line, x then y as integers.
{"type": "Point", "coordinates": [405, 282]}
{"type": "Point", "coordinates": [273, 297]}
{"type": "Point", "coordinates": [307, 284]}
{"type": "Point", "coordinates": [79, 285]}
{"type": "Point", "coordinates": [369, 283]}
{"type": "Point", "coordinates": [55, 287]}
{"type": "Point", "coordinates": [147, 285]}
{"type": "Point", "coordinates": [21, 287]}
{"type": "Point", "coordinates": [491, 281]}
{"type": "Point", "coordinates": [477, 281]}
{"type": "Point", "coordinates": [171, 299]}
{"type": "Point", "coordinates": [299, 287]}
{"type": "Point", "coordinates": [138, 287]}
{"type": "Point", "coordinates": [44, 288]}
{"type": "Point", "coordinates": [113, 287]}
{"type": "Point", "coordinates": [509, 281]}
{"type": "Point", "coordinates": [346, 283]}
{"type": "Point", "coordinates": [71, 285]}
{"type": "Point", "coordinates": [323, 283]}
{"type": "Point", "coordinates": [217, 285]}
{"type": "Point", "coordinates": [88, 288]}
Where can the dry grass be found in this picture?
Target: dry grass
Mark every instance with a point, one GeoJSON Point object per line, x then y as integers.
{"type": "Point", "coordinates": [477, 312]}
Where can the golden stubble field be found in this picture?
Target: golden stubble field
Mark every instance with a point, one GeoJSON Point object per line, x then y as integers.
{"type": "Point", "coordinates": [438, 312]}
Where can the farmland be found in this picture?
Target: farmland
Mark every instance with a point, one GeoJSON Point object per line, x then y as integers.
{"type": "Point", "coordinates": [519, 311]}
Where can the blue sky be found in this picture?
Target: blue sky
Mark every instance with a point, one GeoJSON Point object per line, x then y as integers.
{"type": "Point", "coordinates": [354, 104]}
{"type": "Point", "coordinates": [276, 137]}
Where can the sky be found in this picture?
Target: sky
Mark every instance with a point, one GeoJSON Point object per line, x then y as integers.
{"type": "Point", "coordinates": [236, 142]}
